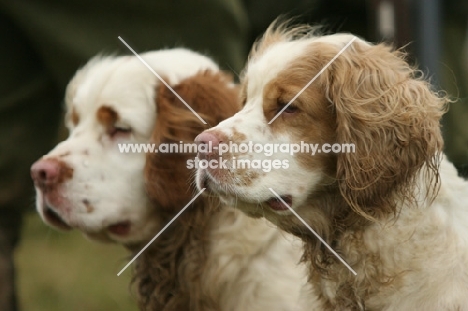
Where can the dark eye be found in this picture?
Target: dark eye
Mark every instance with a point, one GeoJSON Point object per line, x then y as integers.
{"type": "Point", "coordinates": [117, 131]}
{"type": "Point", "coordinates": [289, 108]}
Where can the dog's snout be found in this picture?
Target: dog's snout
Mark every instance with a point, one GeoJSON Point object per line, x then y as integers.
{"type": "Point", "coordinates": [47, 172]}
{"type": "Point", "coordinates": [211, 140]}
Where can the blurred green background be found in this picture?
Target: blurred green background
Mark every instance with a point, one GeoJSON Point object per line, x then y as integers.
{"type": "Point", "coordinates": [65, 271]}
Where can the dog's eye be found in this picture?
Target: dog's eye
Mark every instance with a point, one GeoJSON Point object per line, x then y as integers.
{"type": "Point", "coordinates": [119, 131]}
{"type": "Point", "coordinates": [289, 109]}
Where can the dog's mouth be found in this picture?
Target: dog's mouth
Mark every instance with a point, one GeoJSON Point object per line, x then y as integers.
{"type": "Point", "coordinates": [276, 204]}
{"type": "Point", "coordinates": [120, 229]}
{"type": "Point", "coordinates": [54, 219]}
{"type": "Point", "coordinates": [205, 182]}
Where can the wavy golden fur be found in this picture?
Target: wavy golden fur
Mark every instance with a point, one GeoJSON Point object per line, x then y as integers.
{"type": "Point", "coordinates": [168, 274]}
{"type": "Point", "coordinates": [391, 113]}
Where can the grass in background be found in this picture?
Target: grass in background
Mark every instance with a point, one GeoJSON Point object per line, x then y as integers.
{"type": "Point", "coordinates": [59, 271]}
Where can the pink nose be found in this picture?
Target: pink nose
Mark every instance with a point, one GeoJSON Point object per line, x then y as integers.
{"type": "Point", "coordinates": [208, 138]}
{"type": "Point", "coordinates": [45, 172]}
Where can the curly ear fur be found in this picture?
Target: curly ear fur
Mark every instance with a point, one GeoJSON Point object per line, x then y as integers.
{"type": "Point", "coordinates": [169, 274]}
{"type": "Point", "coordinates": [392, 116]}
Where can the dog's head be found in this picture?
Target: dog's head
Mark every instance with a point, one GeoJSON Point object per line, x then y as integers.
{"type": "Point", "coordinates": [87, 182]}
{"type": "Point", "coordinates": [372, 122]}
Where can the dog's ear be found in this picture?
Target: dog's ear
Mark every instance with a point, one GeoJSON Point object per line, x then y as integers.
{"type": "Point", "coordinates": [213, 96]}
{"type": "Point", "coordinates": [392, 117]}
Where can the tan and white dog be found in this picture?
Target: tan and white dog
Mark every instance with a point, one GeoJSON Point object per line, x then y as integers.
{"type": "Point", "coordinates": [394, 210]}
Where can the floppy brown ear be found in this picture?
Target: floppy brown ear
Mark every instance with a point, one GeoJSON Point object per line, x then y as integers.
{"type": "Point", "coordinates": [392, 116]}
{"type": "Point", "coordinates": [213, 96]}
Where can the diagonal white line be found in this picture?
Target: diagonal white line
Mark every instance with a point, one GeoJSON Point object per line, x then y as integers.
{"type": "Point", "coordinates": [315, 233]}
{"type": "Point", "coordinates": [160, 232]}
{"type": "Point", "coordinates": [159, 77]}
{"type": "Point", "coordinates": [313, 79]}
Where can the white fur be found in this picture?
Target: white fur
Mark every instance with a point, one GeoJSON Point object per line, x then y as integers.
{"type": "Point", "coordinates": [429, 245]}
{"type": "Point", "coordinates": [110, 181]}
{"type": "Point", "coordinates": [255, 266]}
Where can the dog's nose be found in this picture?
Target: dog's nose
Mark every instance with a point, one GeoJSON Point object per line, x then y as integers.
{"type": "Point", "coordinates": [45, 172]}
{"type": "Point", "coordinates": [207, 139]}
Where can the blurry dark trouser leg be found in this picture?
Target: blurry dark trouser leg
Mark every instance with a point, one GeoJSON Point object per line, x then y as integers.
{"type": "Point", "coordinates": [10, 224]}
{"type": "Point", "coordinates": [29, 110]}
{"type": "Point", "coordinates": [25, 134]}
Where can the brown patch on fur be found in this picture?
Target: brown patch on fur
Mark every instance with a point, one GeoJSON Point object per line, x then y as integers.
{"type": "Point", "coordinates": [379, 103]}
{"type": "Point", "coordinates": [89, 207]}
{"type": "Point", "coordinates": [65, 173]}
{"type": "Point", "coordinates": [314, 120]}
{"type": "Point", "coordinates": [107, 116]}
{"type": "Point", "coordinates": [168, 276]}
{"type": "Point", "coordinates": [237, 136]}
{"type": "Point", "coordinates": [75, 117]}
